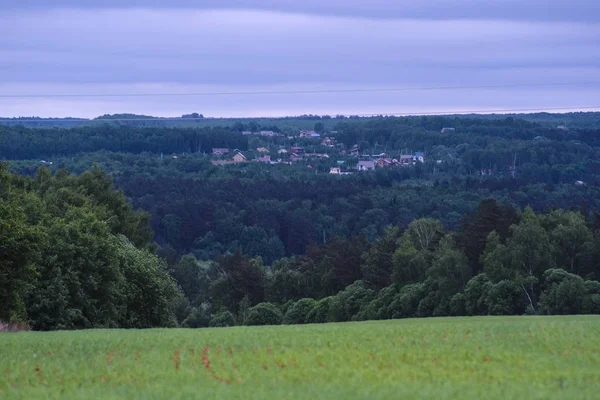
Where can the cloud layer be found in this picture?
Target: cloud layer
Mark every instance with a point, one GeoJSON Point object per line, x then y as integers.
{"type": "Point", "coordinates": [266, 45]}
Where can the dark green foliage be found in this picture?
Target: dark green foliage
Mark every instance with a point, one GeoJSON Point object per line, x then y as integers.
{"type": "Point", "coordinates": [505, 298]}
{"type": "Point", "coordinates": [406, 302]}
{"type": "Point", "coordinates": [475, 295]}
{"type": "Point", "coordinates": [458, 305]}
{"type": "Point", "coordinates": [378, 261]}
{"type": "Point", "coordinates": [74, 253]}
{"type": "Point", "coordinates": [298, 312]}
{"type": "Point", "coordinates": [563, 293]}
{"type": "Point", "coordinates": [264, 314]}
{"type": "Point", "coordinates": [222, 319]}
{"type": "Point", "coordinates": [379, 307]}
{"type": "Point", "coordinates": [349, 301]}
{"type": "Point", "coordinates": [321, 312]}
{"type": "Point", "coordinates": [79, 255]}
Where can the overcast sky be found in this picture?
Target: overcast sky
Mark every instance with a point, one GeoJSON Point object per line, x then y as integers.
{"type": "Point", "coordinates": [136, 46]}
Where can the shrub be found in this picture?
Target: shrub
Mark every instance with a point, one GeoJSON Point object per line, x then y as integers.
{"type": "Point", "coordinates": [506, 298]}
{"type": "Point", "coordinates": [264, 314]}
{"type": "Point", "coordinates": [222, 319]}
{"type": "Point", "coordinates": [378, 308]}
{"type": "Point", "coordinates": [406, 302]}
{"type": "Point", "coordinates": [349, 301]}
{"type": "Point", "coordinates": [298, 312]}
{"type": "Point", "coordinates": [320, 313]}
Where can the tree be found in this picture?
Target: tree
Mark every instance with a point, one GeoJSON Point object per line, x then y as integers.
{"type": "Point", "coordinates": [264, 314]}
{"type": "Point", "coordinates": [472, 236]}
{"type": "Point", "coordinates": [321, 312]}
{"type": "Point", "coordinates": [527, 254]}
{"type": "Point", "coordinates": [563, 293]}
{"type": "Point", "coordinates": [298, 312]}
{"type": "Point", "coordinates": [377, 265]}
{"type": "Point", "coordinates": [347, 303]}
{"type": "Point", "coordinates": [572, 241]}
{"type": "Point", "coordinates": [319, 127]}
{"type": "Point", "coordinates": [222, 319]}
{"type": "Point", "coordinates": [239, 277]}
{"type": "Point", "coordinates": [475, 295]}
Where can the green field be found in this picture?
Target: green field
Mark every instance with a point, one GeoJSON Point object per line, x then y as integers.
{"type": "Point", "coordinates": [478, 358]}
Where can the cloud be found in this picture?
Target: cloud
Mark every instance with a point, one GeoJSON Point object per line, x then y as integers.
{"type": "Point", "coordinates": [125, 50]}
{"type": "Point", "coordinates": [531, 10]}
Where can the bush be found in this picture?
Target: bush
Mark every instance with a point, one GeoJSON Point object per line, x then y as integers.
{"type": "Point", "coordinates": [506, 298]}
{"type": "Point", "coordinates": [198, 318]}
{"type": "Point", "coordinates": [406, 302]}
{"type": "Point", "coordinates": [563, 293]}
{"type": "Point", "coordinates": [378, 308]}
{"type": "Point", "coordinates": [475, 294]}
{"type": "Point", "coordinates": [321, 312]}
{"type": "Point", "coordinates": [457, 305]}
{"type": "Point", "coordinates": [222, 319]}
{"type": "Point", "coordinates": [349, 301]}
{"type": "Point", "coordinates": [298, 312]}
{"type": "Point", "coordinates": [264, 314]}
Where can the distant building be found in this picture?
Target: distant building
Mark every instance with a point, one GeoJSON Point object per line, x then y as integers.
{"type": "Point", "coordinates": [264, 159]}
{"type": "Point", "coordinates": [335, 171]}
{"type": "Point", "coordinates": [262, 150]}
{"type": "Point", "coordinates": [365, 165]}
{"type": "Point", "coordinates": [299, 151]}
{"type": "Point", "coordinates": [406, 159]}
{"type": "Point", "coordinates": [419, 156]}
{"type": "Point", "coordinates": [328, 142]}
{"type": "Point", "coordinates": [219, 151]}
{"type": "Point", "coordinates": [238, 157]}
{"type": "Point", "coordinates": [444, 130]}
{"type": "Point", "coordinates": [282, 151]}
{"type": "Point", "coordinates": [580, 183]}
{"type": "Point", "coordinates": [310, 134]}
{"type": "Point", "coordinates": [562, 128]}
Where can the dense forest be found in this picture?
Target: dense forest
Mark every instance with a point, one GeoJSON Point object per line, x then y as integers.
{"type": "Point", "coordinates": [500, 218]}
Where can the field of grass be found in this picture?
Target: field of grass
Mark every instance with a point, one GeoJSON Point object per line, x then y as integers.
{"type": "Point", "coordinates": [458, 358]}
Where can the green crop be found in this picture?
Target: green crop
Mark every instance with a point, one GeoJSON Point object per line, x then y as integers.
{"type": "Point", "coordinates": [438, 358]}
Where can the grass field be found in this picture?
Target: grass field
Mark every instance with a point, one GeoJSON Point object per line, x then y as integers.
{"type": "Point", "coordinates": [474, 358]}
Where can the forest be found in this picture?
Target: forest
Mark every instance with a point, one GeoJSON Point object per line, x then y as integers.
{"type": "Point", "coordinates": [134, 226]}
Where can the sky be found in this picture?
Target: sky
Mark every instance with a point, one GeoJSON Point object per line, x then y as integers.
{"type": "Point", "coordinates": [494, 55]}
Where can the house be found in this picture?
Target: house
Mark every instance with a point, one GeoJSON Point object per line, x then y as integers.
{"type": "Point", "coordinates": [419, 156]}
{"type": "Point", "coordinates": [282, 151]}
{"type": "Point", "coordinates": [328, 142]}
{"type": "Point", "coordinates": [238, 157]}
{"type": "Point", "coordinates": [406, 160]}
{"type": "Point", "coordinates": [444, 130]}
{"type": "Point", "coordinates": [365, 165]}
{"type": "Point", "coordinates": [580, 183]}
{"type": "Point", "coordinates": [295, 157]}
{"type": "Point", "coordinates": [354, 150]}
{"type": "Point", "coordinates": [335, 171]}
{"type": "Point", "coordinates": [309, 134]}
{"type": "Point", "coordinates": [384, 162]}
{"type": "Point", "coordinates": [264, 159]}
{"type": "Point", "coordinates": [299, 151]}
{"type": "Point", "coordinates": [262, 150]}
{"type": "Point", "coordinates": [218, 151]}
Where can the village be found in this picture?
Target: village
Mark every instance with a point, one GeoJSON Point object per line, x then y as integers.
{"type": "Point", "coordinates": [310, 145]}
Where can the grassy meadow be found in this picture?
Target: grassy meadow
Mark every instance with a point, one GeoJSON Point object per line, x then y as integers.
{"type": "Point", "coordinates": [438, 358]}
